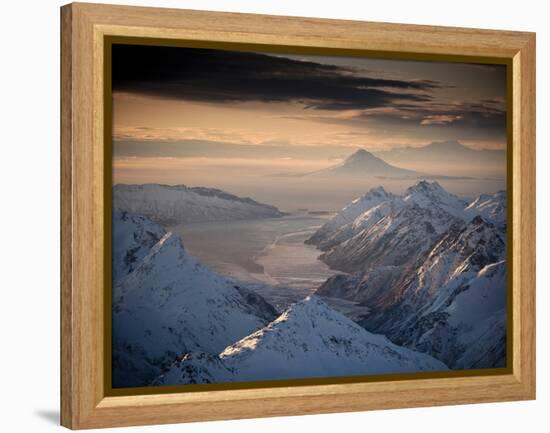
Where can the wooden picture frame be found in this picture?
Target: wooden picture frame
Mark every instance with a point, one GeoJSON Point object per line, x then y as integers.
{"type": "Point", "coordinates": [85, 168]}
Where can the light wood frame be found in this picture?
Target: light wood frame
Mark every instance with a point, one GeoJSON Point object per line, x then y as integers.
{"type": "Point", "coordinates": [84, 403]}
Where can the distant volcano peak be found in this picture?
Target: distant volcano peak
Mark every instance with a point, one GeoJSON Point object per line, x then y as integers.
{"type": "Point", "coordinates": [364, 163]}
{"type": "Point", "coordinates": [359, 153]}
{"type": "Point", "coordinates": [364, 158]}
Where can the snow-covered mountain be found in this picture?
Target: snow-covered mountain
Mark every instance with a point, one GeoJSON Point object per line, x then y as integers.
{"type": "Point", "coordinates": [364, 164]}
{"type": "Point", "coordinates": [363, 222]}
{"type": "Point", "coordinates": [466, 259]}
{"type": "Point", "coordinates": [417, 282]}
{"type": "Point", "coordinates": [429, 194]}
{"type": "Point", "coordinates": [392, 232]}
{"type": "Point", "coordinates": [398, 239]}
{"type": "Point", "coordinates": [389, 230]}
{"type": "Point", "coordinates": [475, 323]}
{"type": "Point", "coordinates": [428, 267]}
{"type": "Point", "coordinates": [309, 340]}
{"type": "Point", "coordinates": [349, 214]}
{"type": "Point", "coordinates": [463, 323]}
{"type": "Point", "coordinates": [466, 323]}
{"type": "Point", "coordinates": [460, 254]}
{"type": "Point", "coordinates": [490, 206]}
{"type": "Point", "coordinates": [367, 287]}
{"type": "Point", "coordinates": [169, 304]}
{"type": "Point", "coordinates": [132, 239]}
{"type": "Point", "coordinates": [178, 204]}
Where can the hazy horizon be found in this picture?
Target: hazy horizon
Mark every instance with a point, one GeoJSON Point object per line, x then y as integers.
{"type": "Point", "coordinates": [242, 121]}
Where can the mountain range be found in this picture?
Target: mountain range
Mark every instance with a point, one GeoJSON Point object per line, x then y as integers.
{"type": "Point", "coordinates": [417, 261]}
{"type": "Point", "coordinates": [175, 321]}
{"type": "Point", "coordinates": [391, 230]}
{"type": "Point", "coordinates": [177, 204]}
{"type": "Point", "coordinates": [451, 154]}
{"type": "Point", "coordinates": [428, 267]}
{"type": "Point", "coordinates": [442, 151]}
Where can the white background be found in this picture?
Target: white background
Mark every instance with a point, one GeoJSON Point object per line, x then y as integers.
{"type": "Point", "coordinates": [29, 236]}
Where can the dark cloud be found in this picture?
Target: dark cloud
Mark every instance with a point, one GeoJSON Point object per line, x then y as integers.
{"type": "Point", "coordinates": [471, 115]}
{"type": "Point", "coordinates": [487, 116]}
{"type": "Point", "coordinates": [432, 121]}
{"type": "Point", "coordinates": [229, 76]}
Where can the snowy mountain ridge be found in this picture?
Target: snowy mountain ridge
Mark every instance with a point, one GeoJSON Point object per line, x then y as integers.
{"type": "Point", "coordinates": [351, 212]}
{"type": "Point", "coordinates": [427, 194]}
{"type": "Point", "coordinates": [490, 206]}
{"type": "Point", "coordinates": [132, 238]}
{"type": "Point", "coordinates": [308, 340]}
{"type": "Point", "coordinates": [367, 226]}
{"type": "Point", "coordinates": [171, 205]}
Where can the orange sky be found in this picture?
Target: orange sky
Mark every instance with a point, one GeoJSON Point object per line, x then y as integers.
{"type": "Point", "coordinates": [183, 115]}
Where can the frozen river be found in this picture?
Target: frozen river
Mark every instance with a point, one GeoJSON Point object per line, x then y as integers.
{"type": "Point", "coordinates": [269, 250]}
{"type": "Point", "coordinates": [269, 255]}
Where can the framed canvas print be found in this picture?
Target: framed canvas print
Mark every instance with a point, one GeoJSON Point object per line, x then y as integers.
{"type": "Point", "coordinates": [272, 216]}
